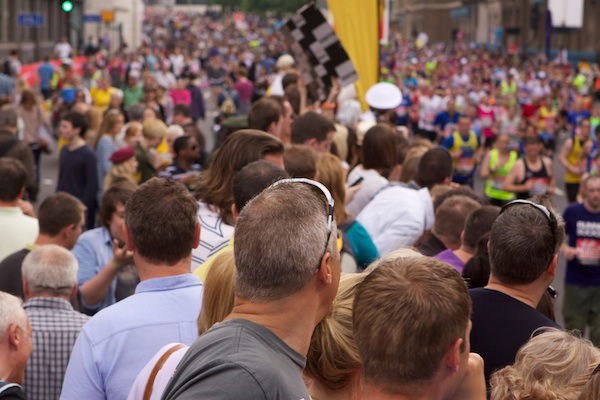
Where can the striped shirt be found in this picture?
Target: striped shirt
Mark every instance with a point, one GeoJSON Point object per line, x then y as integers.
{"type": "Point", "coordinates": [55, 327]}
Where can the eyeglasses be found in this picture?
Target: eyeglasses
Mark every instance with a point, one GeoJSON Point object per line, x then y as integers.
{"type": "Point", "coordinates": [550, 216]}
{"type": "Point", "coordinates": [328, 197]}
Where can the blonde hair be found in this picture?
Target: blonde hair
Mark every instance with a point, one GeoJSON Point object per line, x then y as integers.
{"type": "Point", "coordinates": [405, 252]}
{"type": "Point", "coordinates": [332, 175]}
{"type": "Point", "coordinates": [110, 120]}
{"type": "Point", "coordinates": [218, 298]}
{"type": "Point", "coordinates": [121, 171]}
{"type": "Point", "coordinates": [154, 129]}
{"type": "Point", "coordinates": [552, 365]}
{"type": "Point", "coordinates": [333, 355]}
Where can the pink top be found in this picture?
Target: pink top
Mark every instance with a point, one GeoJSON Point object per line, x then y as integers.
{"type": "Point", "coordinates": [181, 96]}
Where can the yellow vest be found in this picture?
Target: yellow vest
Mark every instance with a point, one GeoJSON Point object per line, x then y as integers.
{"type": "Point", "coordinates": [574, 158]}
{"type": "Point", "coordinates": [465, 163]}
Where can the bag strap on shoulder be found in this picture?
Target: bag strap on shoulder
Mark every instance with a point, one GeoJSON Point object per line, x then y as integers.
{"type": "Point", "coordinates": [157, 367]}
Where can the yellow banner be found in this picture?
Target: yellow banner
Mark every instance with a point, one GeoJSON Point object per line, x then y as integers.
{"type": "Point", "coordinates": [356, 23]}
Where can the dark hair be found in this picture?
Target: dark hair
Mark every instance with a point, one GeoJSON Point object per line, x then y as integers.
{"type": "Point", "coordinates": [459, 191]}
{"type": "Point", "coordinates": [13, 176]}
{"type": "Point", "coordinates": [476, 271]}
{"type": "Point", "coordinates": [300, 161]}
{"type": "Point", "coordinates": [8, 116]}
{"type": "Point", "coordinates": [478, 223]}
{"type": "Point", "coordinates": [434, 167]}
{"type": "Point", "coordinates": [291, 78]}
{"type": "Point", "coordinates": [180, 144]}
{"type": "Point", "coordinates": [253, 179]}
{"type": "Point", "coordinates": [77, 120]}
{"type": "Point", "coordinates": [59, 211]}
{"type": "Point", "coordinates": [263, 113]}
{"type": "Point", "coordinates": [522, 244]}
{"type": "Point", "coordinates": [311, 125]}
{"type": "Point", "coordinates": [116, 194]}
{"type": "Point", "coordinates": [161, 217]}
{"type": "Point", "coordinates": [181, 109]}
{"type": "Point", "coordinates": [379, 149]}
{"type": "Point", "coordinates": [292, 95]}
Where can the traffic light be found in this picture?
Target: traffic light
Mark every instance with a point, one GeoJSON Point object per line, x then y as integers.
{"type": "Point", "coordinates": [67, 6]}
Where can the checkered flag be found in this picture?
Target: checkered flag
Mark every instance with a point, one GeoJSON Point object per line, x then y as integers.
{"type": "Point", "coordinates": [317, 50]}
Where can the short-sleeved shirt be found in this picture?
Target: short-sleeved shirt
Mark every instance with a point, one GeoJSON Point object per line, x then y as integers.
{"type": "Point", "coordinates": [239, 359]}
{"type": "Point", "coordinates": [583, 229]}
{"type": "Point", "coordinates": [449, 257]}
{"type": "Point", "coordinates": [16, 230]}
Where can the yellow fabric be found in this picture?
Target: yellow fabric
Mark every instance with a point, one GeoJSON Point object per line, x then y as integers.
{"type": "Point", "coordinates": [101, 98]}
{"type": "Point", "coordinates": [574, 158]}
{"type": "Point", "coordinates": [203, 269]}
{"type": "Point", "coordinates": [356, 23]}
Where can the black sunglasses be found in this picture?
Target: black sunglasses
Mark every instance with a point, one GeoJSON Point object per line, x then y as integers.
{"type": "Point", "coordinates": [549, 215]}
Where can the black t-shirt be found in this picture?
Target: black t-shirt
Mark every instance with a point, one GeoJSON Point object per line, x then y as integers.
{"type": "Point", "coordinates": [11, 391]}
{"type": "Point", "coordinates": [501, 325]}
{"type": "Point", "coordinates": [10, 271]}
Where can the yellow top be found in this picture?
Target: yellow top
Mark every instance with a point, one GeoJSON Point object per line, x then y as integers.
{"type": "Point", "coordinates": [574, 158]}
{"type": "Point", "coordinates": [203, 269]}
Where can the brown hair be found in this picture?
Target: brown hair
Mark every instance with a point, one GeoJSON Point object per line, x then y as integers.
{"type": "Point", "coordinates": [300, 161]}
{"type": "Point", "coordinates": [218, 298]}
{"type": "Point", "coordinates": [408, 312]}
{"type": "Point", "coordinates": [110, 120]}
{"type": "Point", "coordinates": [13, 177]}
{"type": "Point", "coordinates": [59, 211]}
{"type": "Point", "coordinates": [378, 150]}
{"type": "Point", "coordinates": [263, 113]}
{"type": "Point", "coordinates": [435, 166]}
{"type": "Point", "coordinates": [161, 217]}
{"type": "Point", "coordinates": [116, 194]}
{"type": "Point", "coordinates": [331, 174]}
{"type": "Point", "coordinates": [28, 99]}
{"type": "Point", "coordinates": [311, 125]}
{"type": "Point", "coordinates": [239, 149]}
{"type": "Point", "coordinates": [478, 223]}
{"type": "Point", "coordinates": [451, 215]}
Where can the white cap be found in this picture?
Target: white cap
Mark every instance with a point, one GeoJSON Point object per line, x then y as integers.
{"type": "Point", "coordinates": [284, 61]}
{"type": "Point", "coordinates": [384, 96]}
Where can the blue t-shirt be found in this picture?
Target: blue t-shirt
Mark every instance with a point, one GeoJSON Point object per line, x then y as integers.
{"type": "Point", "coordinates": [583, 230]}
{"type": "Point", "coordinates": [444, 118]}
{"type": "Point", "coordinates": [45, 71]}
{"type": "Point", "coordinates": [574, 117]}
{"type": "Point", "coordinates": [363, 247]}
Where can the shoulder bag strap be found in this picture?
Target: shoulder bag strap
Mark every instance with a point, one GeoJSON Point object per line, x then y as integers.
{"type": "Point", "coordinates": [159, 364]}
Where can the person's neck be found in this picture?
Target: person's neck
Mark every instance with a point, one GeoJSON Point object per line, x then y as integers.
{"type": "Point", "coordinates": [183, 163]}
{"type": "Point", "coordinates": [9, 374]}
{"type": "Point", "coordinates": [47, 296]}
{"type": "Point", "coordinates": [370, 392]}
{"type": "Point", "coordinates": [44, 239]}
{"type": "Point", "coordinates": [447, 243]}
{"type": "Point", "coordinates": [533, 160]}
{"type": "Point", "coordinates": [147, 270]}
{"type": "Point", "coordinates": [76, 143]}
{"type": "Point", "coordinates": [8, 204]}
{"type": "Point", "coordinates": [351, 391]}
{"type": "Point", "coordinates": [295, 327]}
{"type": "Point", "coordinates": [464, 253]}
{"type": "Point", "coordinates": [590, 208]}
{"type": "Point", "coordinates": [529, 294]}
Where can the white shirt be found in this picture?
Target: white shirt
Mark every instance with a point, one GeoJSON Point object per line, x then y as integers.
{"type": "Point", "coordinates": [62, 50]}
{"type": "Point", "coordinates": [17, 230]}
{"type": "Point", "coordinates": [371, 184]}
{"type": "Point", "coordinates": [214, 234]}
{"type": "Point", "coordinates": [397, 216]}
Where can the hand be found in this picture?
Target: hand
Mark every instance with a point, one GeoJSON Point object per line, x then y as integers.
{"type": "Point", "coordinates": [569, 252]}
{"type": "Point", "coordinates": [472, 385]}
{"type": "Point", "coordinates": [121, 256]}
{"type": "Point", "coordinates": [351, 192]}
{"type": "Point", "coordinates": [27, 208]}
{"type": "Point", "coordinates": [528, 184]}
{"type": "Point", "coordinates": [575, 169]}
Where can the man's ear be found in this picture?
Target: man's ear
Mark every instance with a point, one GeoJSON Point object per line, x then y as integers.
{"type": "Point", "coordinates": [325, 272]}
{"type": "Point", "coordinates": [128, 239]}
{"type": "Point", "coordinates": [234, 212]}
{"type": "Point", "coordinates": [452, 359]}
{"type": "Point", "coordinates": [25, 288]}
{"type": "Point", "coordinates": [196, 236]}
{"type": "Point", "coordinates": [15, 336]}
{"type": "Point", "coordinates": [553, 266]}
{"type": "Point", "coordinates": [73, 291]}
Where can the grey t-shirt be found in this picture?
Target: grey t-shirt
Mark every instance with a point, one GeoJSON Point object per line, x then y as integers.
{"type": "Point", "coordinates": [239, 359]}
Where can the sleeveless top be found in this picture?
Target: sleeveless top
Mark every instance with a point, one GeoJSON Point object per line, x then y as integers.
{"type": "Point", "coordinates": [540, 178]}
{"type": "Point", "coordinates": [494, 186]}
{"type": "Point", "coordinates": [574, 158]}
{"type": "Point", "coordinates": [464, 165]}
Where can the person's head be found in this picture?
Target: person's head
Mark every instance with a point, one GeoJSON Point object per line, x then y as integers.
{"type": "Point", "coordinates": [584, 128]}
{"type": "Point", "coordinates": [116, 98]}
{"type": "Point", "coordinates": [533, 146]}
{"type": "Point", "coordinates": [15, 337]}
{"type": "Point", "coordinates": [411, 323]}
{"type": "Point", "coordinates": [464, 125]}
{"type": "Point", "coordinates": [13, 177]}
{"type": "Point", "coordinates": [154, 131]}
{"type": "Point", "coordinates": [502, 142]}
{"type": "Point", "coordinates": [333, 358]}
{"type": "Point", "coordinates": [378, 150]}
{"type": "Point", "coordinates": [333, 176]}
{"type": "Point", "coordinates": [552, 364]}
{"type": "Point", "coordinates": [111, 123]}
{"type": "Point", "coordinates": [252, 180]}
{"type": "Point", "coordinates": [133, 133]}
{"type": "Point", "coordinates": [300, 161]}
{"type": "Point", "coordinates": [266, 115]}
{"type": "Point", "coordinates": [72, 125]}
{"type": "Point", "coordinates": [476, 271]}
{"type": "Point", "coordinates": [50, 271]}
{"type": "Point", "coordinates": [435, 167]}
{"type": "Point", "coordinates": [135, 112]}
{"type": "Point", "coordinates": [218, 297]}
{"type": "Point", "coordinates": [239, 149]}
{"type": "Point", "coordinates": [451, 105]}
{"type": "Point", "coordinates": [8, 118]}
{"type": "Point", "coordinates": [28, 99]}
{"type": "Point", "coordinates": [112, 210]}
{"type": "Point", "coordinates": [132, 79]}
{"type": "Point", "coordinates": [524, 242]}
{"type": "Point", "coordinates": [185, 148]}
{"type": "Point", "coordinates": [161, 222]}
{"type": "Point", "coordinates": [478, 223]}
{"type": "Point", "coordinates": [286, 247]}
{"type": "Point", "coordinates": [61, 217]}
{"type": "Point", "coordinates": [590, 191]}
{"type": "Point", "coordinates": [591, 390]}
{"type": "Point", "coordinates": [314, 130]}
{"type": "Point", "coordinates": [181, 114]}
{"type": "Point", "coordinates": [450, 219]}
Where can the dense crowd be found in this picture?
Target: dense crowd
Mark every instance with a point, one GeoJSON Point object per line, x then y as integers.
{"type": "Point", "coordinates": [220, 231]}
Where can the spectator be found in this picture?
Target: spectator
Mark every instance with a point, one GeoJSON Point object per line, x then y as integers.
{"type": "Point", "coordinates": [553, 364]}
{"type": "Point", "coordinates": [77, 172]}
{"type": "Point", "coordinates": [397, 216]}
{"type": "Point", "coordinates": [133, 93]}
{"type": "Point", "coordinates": [591, 391]}
{"type": "Point", "coordinates": [197, 108]}
{"type": "Point", "coordinates": [478, 223]}
{"type": "Point", "coordinates": [215, 191]}
{"type": "Point", "coordinates": [377, 157]}
{"type": "Point", "coordinates": [60, 221]}
{"type": "Point", "coordinates": [34, 122]}
{"type": "Point", "coordinates": [18, 229]}
{"type": "Point", "coordinates": [476, 271]}
{"type": "Point", "coordinates": [105, 146]}
{"type": "Point", "coordinates": [313, 130]}
{"type": "Point", "coordinates": [161, 230]}
{"type": "Point", "coordinates": [153, 133]}
{"type": "Point", "coordinates": [300, 161]}
{"type": "Point", "coordinates": [101, 92]}
{"type": "Point", "coordinates": [245, 88]}
{"type": "Point", "coordinates": [49, 283]}
{"type": "Point", "coordinates": [396, 309]}
{"type": "Point", "coordinates": [524, 243]}
{"type": "Point", "coordinates": [184, 167]}
{"type": "Point", "coordinates": [63, 49]}
{"type": "Point", "coordinates": [124, 168]}
{"type": "Point", "coordinates": [15, 346]}
{"type": "Point", "coordinates": [275, 272]}
{"type": "Point", "coordinates": [11, 146]}
{"type": "Point", "coordinates": [268, 115]}
{"type": "Point", "coordinates": [450, 217]}
{"type": "Point", "coordinates": [46, 73]}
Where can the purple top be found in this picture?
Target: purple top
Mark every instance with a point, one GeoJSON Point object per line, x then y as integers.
{"type": "Point", "coordinates": [449, 257]}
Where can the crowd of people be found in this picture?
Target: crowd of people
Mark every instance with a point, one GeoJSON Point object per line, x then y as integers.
{"type": "Point", "coordinates": [299, 247]}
